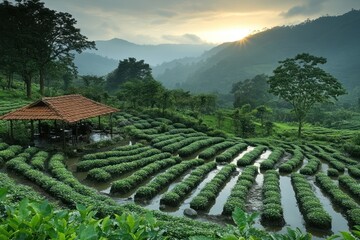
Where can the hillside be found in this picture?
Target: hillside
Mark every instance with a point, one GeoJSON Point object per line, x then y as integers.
{"type": "Point", "coordinates": [333, 37]}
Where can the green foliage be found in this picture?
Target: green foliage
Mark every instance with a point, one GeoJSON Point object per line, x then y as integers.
{"type": "Point", "coordinates": [350, 184]}
{"type": "Point", "coordinates": [310, 206]}
{"type": "Point", "coordinates": [272, 212]}
{"type": "Point", "coordinates": [273, 158]}
{"type": "Point", "coordinates": [29, 219]}
{"type": "Point", "coordinates": [250, 157]}
{"type": "Point", "coordinates": [231, 152]}
{"type": "Point", "coordinates": [212, 188]}
{"type": "Point", "coordinates": [354, 171]}
{"type": "Point", "coordinates": [164, 179]}
{"type": "Point", "coordinates": [339, 166]}
{"type": "Point", "coordinates": [174, 197]}
{"type": "Point", "coordinates": [238, 195]}
{"type": "Point", "coordinates": [332, 172]}
{"type": "Point", "coordinates": [311, 167]}
{"type": "Point", "coordinates": [196, 146]}
{"type": "Point", "coordinates": [302, 83]}
{"type": "Point", "coordinates": [126, 185]}
{"type": "Point", "coordinates": [294, 162]}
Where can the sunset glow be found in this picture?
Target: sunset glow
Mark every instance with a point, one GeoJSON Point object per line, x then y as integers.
{"type": "Point", "coordinates": [226, 35]}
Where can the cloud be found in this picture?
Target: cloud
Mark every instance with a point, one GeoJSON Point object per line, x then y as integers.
{"type": "Point", "coordinates": [183, 39]}
{"type": "Point", "coordinates": [307, 9]}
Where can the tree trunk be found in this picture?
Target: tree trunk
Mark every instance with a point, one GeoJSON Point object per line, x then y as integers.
{"type": "Point", "coordinates": [42, 81]}
{"type": "Point", "coordinates": [27, 81]}
{"type": "Point", "coordinates": [300, 127]}
{"type": "Point", "coordinates": [10, 80]}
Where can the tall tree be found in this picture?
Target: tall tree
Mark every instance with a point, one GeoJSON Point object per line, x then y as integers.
{"type": "Point", "coordinates": [302, 83]}
{"type": "Point", "coordinates": [128, 69]}
{"type": "Point", "coordinates": [251, 91]}
{"type": "Point", "coordinates": [33, 37]}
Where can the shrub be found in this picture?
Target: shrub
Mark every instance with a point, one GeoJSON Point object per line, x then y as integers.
{"type": "Point", "coordinates": [231, 152]}
{"type": "Point", "coordinates": [274, 157]}
{"type": "Point", "coordinates": [354, 171]}
{"type": "Point", "coordinates": [250, 157]}
{"type": "Point", "coordinates": [211, 151]}
{"type": "Point", "coordinates": [332, 172]}
{"type": "Point", "coordinates": [311, 167]}
{"type": "Point", "coordinates": [351, 185]}
{"type": "Point", "coordinates": [294, 162]}
{"type": "Point", "coordinates": [197, 145]}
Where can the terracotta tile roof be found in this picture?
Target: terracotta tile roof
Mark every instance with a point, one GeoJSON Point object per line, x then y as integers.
{"type": "Point", "coordinates": [69, 108]}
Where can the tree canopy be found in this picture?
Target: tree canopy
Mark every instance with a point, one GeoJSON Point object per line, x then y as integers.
{"type": "Point", "coordinates": [302, 83]}
{"type": "Point", "coordinates": [128, 69]}
{"type": "Point", "coordinates": [32, 37]}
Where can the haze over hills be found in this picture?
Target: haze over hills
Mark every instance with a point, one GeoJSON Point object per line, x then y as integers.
{"type": "Point", "coordinates": [108, 53]}
{"type": "Point", "coordinates": [333, 37]}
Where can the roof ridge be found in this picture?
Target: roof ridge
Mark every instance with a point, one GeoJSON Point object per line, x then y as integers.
{"type": "Point", "coordinates": [52, 107]}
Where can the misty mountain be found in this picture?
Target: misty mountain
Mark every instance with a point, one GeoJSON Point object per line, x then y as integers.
{"type": "Point", "coordinates": [108, 53]}
{"type": "Point", "coordinates": [93, 64]}
{"type": "Point", "coordinates": [333, 37]}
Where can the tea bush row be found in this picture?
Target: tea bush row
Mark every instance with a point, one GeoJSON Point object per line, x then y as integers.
{"type": "Point", "coordinates": [250, 157]}
{"type": "Point", "coordinates": [240, 191]}
{"type": "Point", "coordinates": [197, 145]}
{"type": "Point", "coordinates": [172, 140]}
{"type": "Point", "coordinates": [332, 161]}
{"type": "Point", "coordinates": [231, 152]}
{"type": "Point", "coordinates": [310, 206]}
{"type": "Point", "coordinates": [294, 162]}
{"type": "Point", "coordinates": [91, 164]}
{"type": "Point", "coordinates": [178, 193]}
{"type": "Point", "coordinates": [354, 171]}
{"type": "Point", "coordinates": [212, 188]}
{"type": "Point", "coordinates": [164, 179]}
{"type": "Point", "coordinates": [272, 212]}
{"type": "Point", "coordinates": [106, 173]}
{"type": "Point", "coordinates": [10, 152]}
{"type": "Point", "coordinates": [350, 185]}
{"type": "Point", "coordinates": [172, 148]}
{"type": "Point", "coordinates": [116, 152]}
{"type": "Point", "coordinates": [38, 160]}
{"type": "Point", "coordinates": [312, 166]}
{"type": "Point", "coordinates": [129, 183]}
{"type": "Point", "coordinates": [165, 137]}
{"type": "Point", "coordinates": [211, 151]}
{"type": "Point", "coordinates": [273, 158]}
{"type": "Point", "coordinates": [346, 203]}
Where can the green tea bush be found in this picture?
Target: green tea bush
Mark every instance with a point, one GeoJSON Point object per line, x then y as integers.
{"type": "Point", "coordinates": [332, 172]}
{"type": "Point", "coordinates": [90, 164]}
{"type": "Point", "coordinates": [250, 157]}
{"type": "Point", "coordinates": [354, 171]}
{"type": "Point", "coordinates": [3, 146]}
{"type": "Point", "coordinates": [197, 145]}
{"type": "Point", "coordinates": [129, 183]}
{"type": "Point", "coordinates": [211, 151]}
{"type": "Point", "coordinates": [294, 162]}
{"type": "Point", "coordinates": [337, 196]}
{"type": "Point", "coordinates": [187, 185]}
{"type": "Point", "coordinates": [214, 187]}
{"type": "Point", "coordinates": [274, 157]}
{"type": "Point", "coordinates": [172, 148]}
{"type": "Point", "coordinates": [119, 169]}
{"type": "Point", "coordinates": [172, 140]}
{"type": "Point", "coordinates": [38, 160]}
{"type": "Point", "coordinates": [164, 179]}
{"type": "Point", "coordinates": [332, 161]}
{"type": "Point", "coordinates": [310, 206]}
{"type": "Point", "coordinates": [351, 185]}
{"type": "Point", "coordinates": [231, 152]}
{"type": "Point", "coordinates": [239, 193]}
{"type": "Point", "coordinates": [270, 215]}
{"type": "Point", "coordinates": [117, 152]}
{"type": "Point", "coordinates": [10, 152]}
{"type": "Point", "coordinates": [311, 167]}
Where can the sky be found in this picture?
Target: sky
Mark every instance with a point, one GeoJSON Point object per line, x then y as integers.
{"type": "Point", "coordinates": [191, 21]}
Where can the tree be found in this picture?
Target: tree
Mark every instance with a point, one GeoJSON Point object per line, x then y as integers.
{"type": "Point", "coordinates": [251, 91]}
{"type": "Point", "coordinates": [261, 113]}
{"type": "Point", "coordinates": [128, 69]}
{"type": "Point", "coordinates": [33, 37]}
{"type": "Point", "coordinates": [302, 83]}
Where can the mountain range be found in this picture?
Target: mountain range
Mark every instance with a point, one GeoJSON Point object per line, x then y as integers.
{"type": "Point", "coordinates": [205, 68]}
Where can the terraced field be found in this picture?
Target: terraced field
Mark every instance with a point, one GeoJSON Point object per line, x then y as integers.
{"type": "Point", "coordinates": [170, 167]}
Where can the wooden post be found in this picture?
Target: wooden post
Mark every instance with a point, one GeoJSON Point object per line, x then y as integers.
{"type": "Point", "coordinates": [99, 124]}
{"type": "Point", "coordinates": [63, 135]}
{"type": "Point", "coordinates": [39, 128]}
{"type": "Point", "coordinates": [32, 130]}
{"type": "Point", "coordinates": [111, 126]}
{"type": "Point", "coordinates": [11, 130]}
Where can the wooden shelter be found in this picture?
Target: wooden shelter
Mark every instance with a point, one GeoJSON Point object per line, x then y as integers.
{"type": "Point", "coordinates": [67, 109]}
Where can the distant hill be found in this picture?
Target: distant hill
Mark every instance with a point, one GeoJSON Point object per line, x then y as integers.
{"type": "Point", "coordinates": [99, 61]}
{"type": "Point", "coordinates": [333, 37]}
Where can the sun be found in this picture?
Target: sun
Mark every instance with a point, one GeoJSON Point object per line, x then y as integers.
{"type": "Point", "coordinates": [226, 35]}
